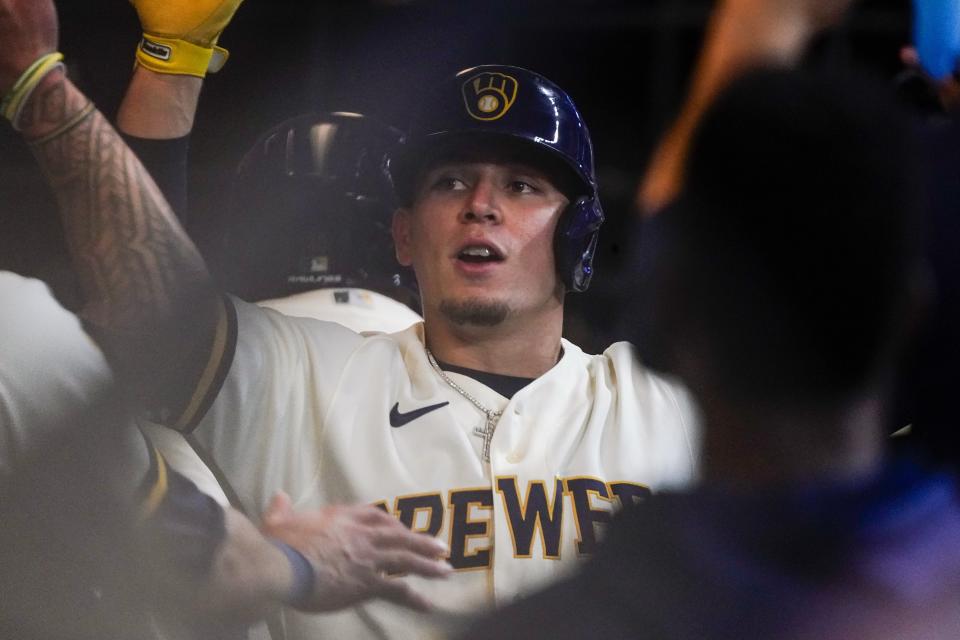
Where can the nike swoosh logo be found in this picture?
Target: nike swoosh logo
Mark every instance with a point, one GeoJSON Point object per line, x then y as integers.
{"type": "Point", "coordinates": [398, 419]}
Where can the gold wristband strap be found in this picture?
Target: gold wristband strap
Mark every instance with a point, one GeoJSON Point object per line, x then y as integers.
{"type": "Point", "coordinates": [179, 57]}
{"type": "Point", "coordinates": [73, 121]}
{"type": "Point", "coordinates": [13, 103]}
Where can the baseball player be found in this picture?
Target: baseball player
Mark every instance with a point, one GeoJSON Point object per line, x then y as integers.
{"type": "Point", "coordinates": [480, 427]}
{"type": "Point", "coordinates": [309, 230]}
{"type": "Point", "coordinates": [516, 464]}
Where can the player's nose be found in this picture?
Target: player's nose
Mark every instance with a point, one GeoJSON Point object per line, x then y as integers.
{"type": "Point", "coordinates": [481, 204]}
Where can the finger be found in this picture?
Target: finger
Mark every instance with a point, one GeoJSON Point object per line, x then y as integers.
{"type": "Point", "coordinates": [399, 592]}
{"type": "Point", "coordinates": [403, 538]}
{"type": "Point", "coordinates": [372, 515]}
{"type": "Point", "coordinates": [402, 562]}
{"type": "Point", "coordinates": [279, 508]}
{"type": "Point", "coordinates": [909, 57]}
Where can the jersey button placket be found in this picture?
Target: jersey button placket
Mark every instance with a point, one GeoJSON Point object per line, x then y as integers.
{"type": "Point", "coordinates": [514, 457]}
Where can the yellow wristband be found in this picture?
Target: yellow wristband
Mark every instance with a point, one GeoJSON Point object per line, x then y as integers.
{"type": "Point", "coordinates": [12, 104]}
{"type": "Point", "coordinates": [179, 57]}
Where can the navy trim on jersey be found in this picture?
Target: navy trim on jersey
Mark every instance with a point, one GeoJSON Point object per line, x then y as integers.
{"type": "Point", "coordinates": [507, 386]}
{"type": "Point", "coordinates": [218, 365]}
{"type": "Point", "coordinates": [217, 472]}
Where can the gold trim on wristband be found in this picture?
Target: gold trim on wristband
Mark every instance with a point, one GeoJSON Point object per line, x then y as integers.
{"type": "Point", "coordinates": [74, 120]}
{"type": "Point", "coordinates": [179, 57]}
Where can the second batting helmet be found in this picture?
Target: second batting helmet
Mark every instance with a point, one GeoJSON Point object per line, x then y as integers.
{"type": "Point", "coordinates": [514, 104]}
{"type": "Point", "coordinates": [311, 207]}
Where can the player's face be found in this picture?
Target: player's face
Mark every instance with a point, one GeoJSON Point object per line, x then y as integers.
{"type": "Point", "coordinates": [480, 238]}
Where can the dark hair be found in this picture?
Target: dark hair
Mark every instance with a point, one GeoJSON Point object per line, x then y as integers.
{"type": "Point", "coordinates": [787, 260]}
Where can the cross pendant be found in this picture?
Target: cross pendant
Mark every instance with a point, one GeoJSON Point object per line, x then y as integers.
{"type": "Point", "coordinates": [490, 424]}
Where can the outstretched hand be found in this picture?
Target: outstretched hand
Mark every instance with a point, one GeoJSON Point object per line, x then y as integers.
{"type": "Point", "coordinates": [356, 552]}
{"type": "Point", "coordinates": [28, 30]}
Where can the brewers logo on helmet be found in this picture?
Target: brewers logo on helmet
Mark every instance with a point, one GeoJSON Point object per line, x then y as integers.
{"type": "Point", "coordinates": [489, 96]}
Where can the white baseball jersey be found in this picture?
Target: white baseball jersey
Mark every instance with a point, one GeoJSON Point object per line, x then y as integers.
{"type": "Point", "coordinates": [358, 309]}
{"type": "Point", "coordinates": [330, 416]}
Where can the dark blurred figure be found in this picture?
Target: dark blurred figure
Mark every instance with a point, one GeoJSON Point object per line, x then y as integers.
{"type": "Point", "coordinates": [926, 391]}
{"type": "Point", "coordinates": [785, 287]}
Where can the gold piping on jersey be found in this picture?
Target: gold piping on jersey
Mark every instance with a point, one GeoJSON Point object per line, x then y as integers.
{"type": "Point", "coordinates": [159, 489]}
{"type": "Point", "coordinates": [221, 357]}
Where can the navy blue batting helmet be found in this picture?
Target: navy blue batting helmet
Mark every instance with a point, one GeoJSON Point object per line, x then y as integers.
{"type": "Point", "coordinates": [312, 204]}
{"type": "Point", "coordinates": [514, 104]}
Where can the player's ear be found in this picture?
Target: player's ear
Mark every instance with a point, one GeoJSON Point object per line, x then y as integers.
{"type": "Point", "coordinates": [401, 236]}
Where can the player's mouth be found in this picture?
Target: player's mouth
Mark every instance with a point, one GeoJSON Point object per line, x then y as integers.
{"type": "Point", "coordinates": [478, 257]}
{"type": "Point", "coordinates": [479, 253]}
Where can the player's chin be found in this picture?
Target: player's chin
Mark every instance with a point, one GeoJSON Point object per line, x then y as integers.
{"type": "Point", "coordinates": [475, 311]}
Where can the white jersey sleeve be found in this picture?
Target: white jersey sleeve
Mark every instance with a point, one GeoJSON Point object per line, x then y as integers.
{"type": "Point", "coordinates": [50, 369]}
{"type": "Point", "coordinates": [280, 375]}
{"type": "Point", "coordinates": [673, 455]}
{"type": "Point", "coordinates": [357, 309]}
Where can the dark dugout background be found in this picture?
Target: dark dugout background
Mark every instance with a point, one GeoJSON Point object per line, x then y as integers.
{"type": "Point", "coordinates": [626, 64]}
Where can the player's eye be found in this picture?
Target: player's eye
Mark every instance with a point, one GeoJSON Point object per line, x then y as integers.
{"type": "Point", "coordinates": [521, 186]}
{"type": "Point", "coordinates": [447, 183]}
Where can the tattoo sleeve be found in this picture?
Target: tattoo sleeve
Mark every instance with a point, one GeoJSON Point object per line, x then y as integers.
{"type": "Point", "coordinates": [142, 279]}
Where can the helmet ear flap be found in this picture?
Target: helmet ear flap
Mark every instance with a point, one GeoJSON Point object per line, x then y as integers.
{"type": "Point", "coordinates": [575, 242]}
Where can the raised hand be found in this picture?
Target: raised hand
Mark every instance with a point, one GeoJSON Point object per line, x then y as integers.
{"type": "Point", "coordinates": [28, 30]}
{"type": "Point", "coordinates": [180, 36]}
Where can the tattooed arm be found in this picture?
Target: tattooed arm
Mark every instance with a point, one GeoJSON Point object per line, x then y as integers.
{"type": "Point", "coordinates": [141, 277]}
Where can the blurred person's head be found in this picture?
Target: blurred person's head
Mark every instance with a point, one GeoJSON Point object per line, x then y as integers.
{"type": "Point", "coordinates": [789, 263]}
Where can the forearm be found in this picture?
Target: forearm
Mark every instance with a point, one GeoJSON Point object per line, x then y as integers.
{"type": "Point", "coordinates": [166, 160]}
{"type": "Point", "coordinates": [741, 34]}
{"type": "Point", "coordinates": [156, 118]}
{"type": "Point", "coordinates": [250, 576]}
{"type": "Point", "coordinates": [139, 273]}
{"type": "Point", "coordinates": [159, 106]}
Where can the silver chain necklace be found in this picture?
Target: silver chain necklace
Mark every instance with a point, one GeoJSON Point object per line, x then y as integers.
{"type": "Point", "coordinates": [492, 417]}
